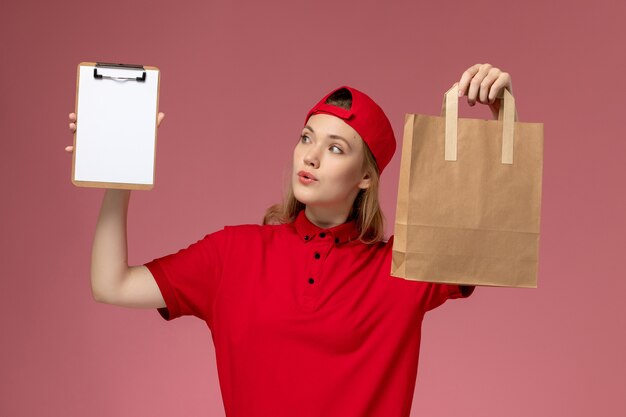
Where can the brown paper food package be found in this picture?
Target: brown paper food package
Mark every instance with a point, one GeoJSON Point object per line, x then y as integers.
{"type": "Point", "coordinates": [469, 203]}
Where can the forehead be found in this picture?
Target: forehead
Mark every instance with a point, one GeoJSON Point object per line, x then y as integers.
{"type": "Point", "coordinates": [329, 125]}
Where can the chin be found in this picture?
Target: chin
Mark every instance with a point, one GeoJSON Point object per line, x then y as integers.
{"type": "Point", "coordinates": [302, 197]}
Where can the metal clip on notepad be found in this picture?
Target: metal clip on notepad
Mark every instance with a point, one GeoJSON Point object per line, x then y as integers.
{"type": "Point", "coordinates": [105, 65]}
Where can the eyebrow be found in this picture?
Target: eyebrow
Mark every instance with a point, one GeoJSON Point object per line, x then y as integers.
{"type": "Point", "coordinates": [331, 136]}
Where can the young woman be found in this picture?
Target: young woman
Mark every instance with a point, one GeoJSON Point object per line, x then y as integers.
{"type": "Point", "coordinates": [305, 318]}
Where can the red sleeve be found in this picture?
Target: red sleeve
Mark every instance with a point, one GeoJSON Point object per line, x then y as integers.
{"type": "Point", "coordinates": [439, 293]}
{"type": "Point", "coordinates": [189, 278]}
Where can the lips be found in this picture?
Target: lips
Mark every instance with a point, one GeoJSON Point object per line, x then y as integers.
{"type": "Point", "coordinates": [306, 178]}
{"type": "Point", "coordinates": [307, 175]}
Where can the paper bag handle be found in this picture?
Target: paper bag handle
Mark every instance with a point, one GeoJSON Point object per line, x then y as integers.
{"type": "Point", "coordinates": [507, 114]}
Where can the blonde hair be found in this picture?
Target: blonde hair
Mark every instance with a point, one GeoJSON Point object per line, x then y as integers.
{"type": "Point", "coordinates": [365, 210]}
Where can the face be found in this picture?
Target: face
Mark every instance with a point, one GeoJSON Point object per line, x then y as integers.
{"type": "Point", "coordinates": [328, 164]}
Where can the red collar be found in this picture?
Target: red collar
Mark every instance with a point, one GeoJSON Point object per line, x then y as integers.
{"type": "Point", "coordinates": [308, 231]}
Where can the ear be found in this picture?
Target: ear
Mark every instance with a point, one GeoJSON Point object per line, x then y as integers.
{"type": "Point", "coordinates": [365, 181]}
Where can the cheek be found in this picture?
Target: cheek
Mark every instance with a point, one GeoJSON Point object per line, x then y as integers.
{"type": "Point", "coordinates": [348, 173]}
{"type": "Point", "coordinates": [296, 156]}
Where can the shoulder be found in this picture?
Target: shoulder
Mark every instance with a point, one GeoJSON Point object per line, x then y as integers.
{"type": "Point", "coordinates": [255, 232]}
{"type": "Point", "coordinates": [385, 245]}
{"type": "Point", "coordinates": [254, 240]}
{"type": "Point", "coordinates": [255, 229]}
{"type": "Point", "coordinates": [377, 250]}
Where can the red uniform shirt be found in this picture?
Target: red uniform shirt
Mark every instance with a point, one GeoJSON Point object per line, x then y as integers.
{"type": "Point", "coordinates": [305, 321]}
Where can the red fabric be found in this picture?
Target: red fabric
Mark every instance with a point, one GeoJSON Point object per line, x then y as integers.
{"type": "Point", "coordinates": [368, 119]}
{"type": "Point", "coordinates": [344, 344]}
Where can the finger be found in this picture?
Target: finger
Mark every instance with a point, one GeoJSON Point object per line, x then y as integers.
{"type": "Point", "coordinates": [72, 117]}
{"type": "Point", "coordinates": [485, 85]}
{"type": "Point", "coordinates": [503, 81]}
{"type": "Point", "coordinates": [69, 149]}
{"type": "Point", "coordinates": [160, 118]}
{"type": "Point", "coordinates": [73, 127]}
{"type": "Point", "coordinates": [474, 86]}
{"type": "Point", "coordinates": [466, 78]}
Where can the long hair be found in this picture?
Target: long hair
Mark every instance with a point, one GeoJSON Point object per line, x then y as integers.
{"type": "Point", "coordinates": [365, 210]}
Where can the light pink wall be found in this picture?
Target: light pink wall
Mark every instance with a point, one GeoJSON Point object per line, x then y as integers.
{"type": "Point", "coordinates": [237, 79]}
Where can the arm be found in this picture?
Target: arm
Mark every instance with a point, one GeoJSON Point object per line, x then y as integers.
{"type": "Point", "coordinates": [112, 280]}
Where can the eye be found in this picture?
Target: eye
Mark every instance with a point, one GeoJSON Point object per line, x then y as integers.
{"type": "Point", "coordinates": [305, 139]}
{"type": "Point", "coordinates": [336, 149]}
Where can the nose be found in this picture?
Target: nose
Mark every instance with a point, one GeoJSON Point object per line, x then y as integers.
{"type": "Point", "coordinates": [311, 158]}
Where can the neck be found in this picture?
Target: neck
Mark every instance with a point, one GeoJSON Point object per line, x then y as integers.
{"type": "Point", "coordinates": [326, 217]}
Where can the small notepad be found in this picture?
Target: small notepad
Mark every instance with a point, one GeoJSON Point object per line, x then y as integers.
{"type": "Point", "coordinates": [115, 138]}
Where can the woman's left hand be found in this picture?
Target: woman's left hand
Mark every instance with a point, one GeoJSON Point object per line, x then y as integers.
{"type": "Point", "coordinates": [483, 83]}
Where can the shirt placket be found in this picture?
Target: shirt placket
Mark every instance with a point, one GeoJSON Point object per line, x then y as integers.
{"type": "Point", "coordinates": [318, 250]}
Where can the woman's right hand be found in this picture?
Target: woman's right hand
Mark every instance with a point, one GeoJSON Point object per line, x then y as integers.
{"type": "Point", "coordinates": [70, 148]}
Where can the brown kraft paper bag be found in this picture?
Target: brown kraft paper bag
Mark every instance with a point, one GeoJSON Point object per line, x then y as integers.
{"type": "Point", "coordinates": [469, 198]}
